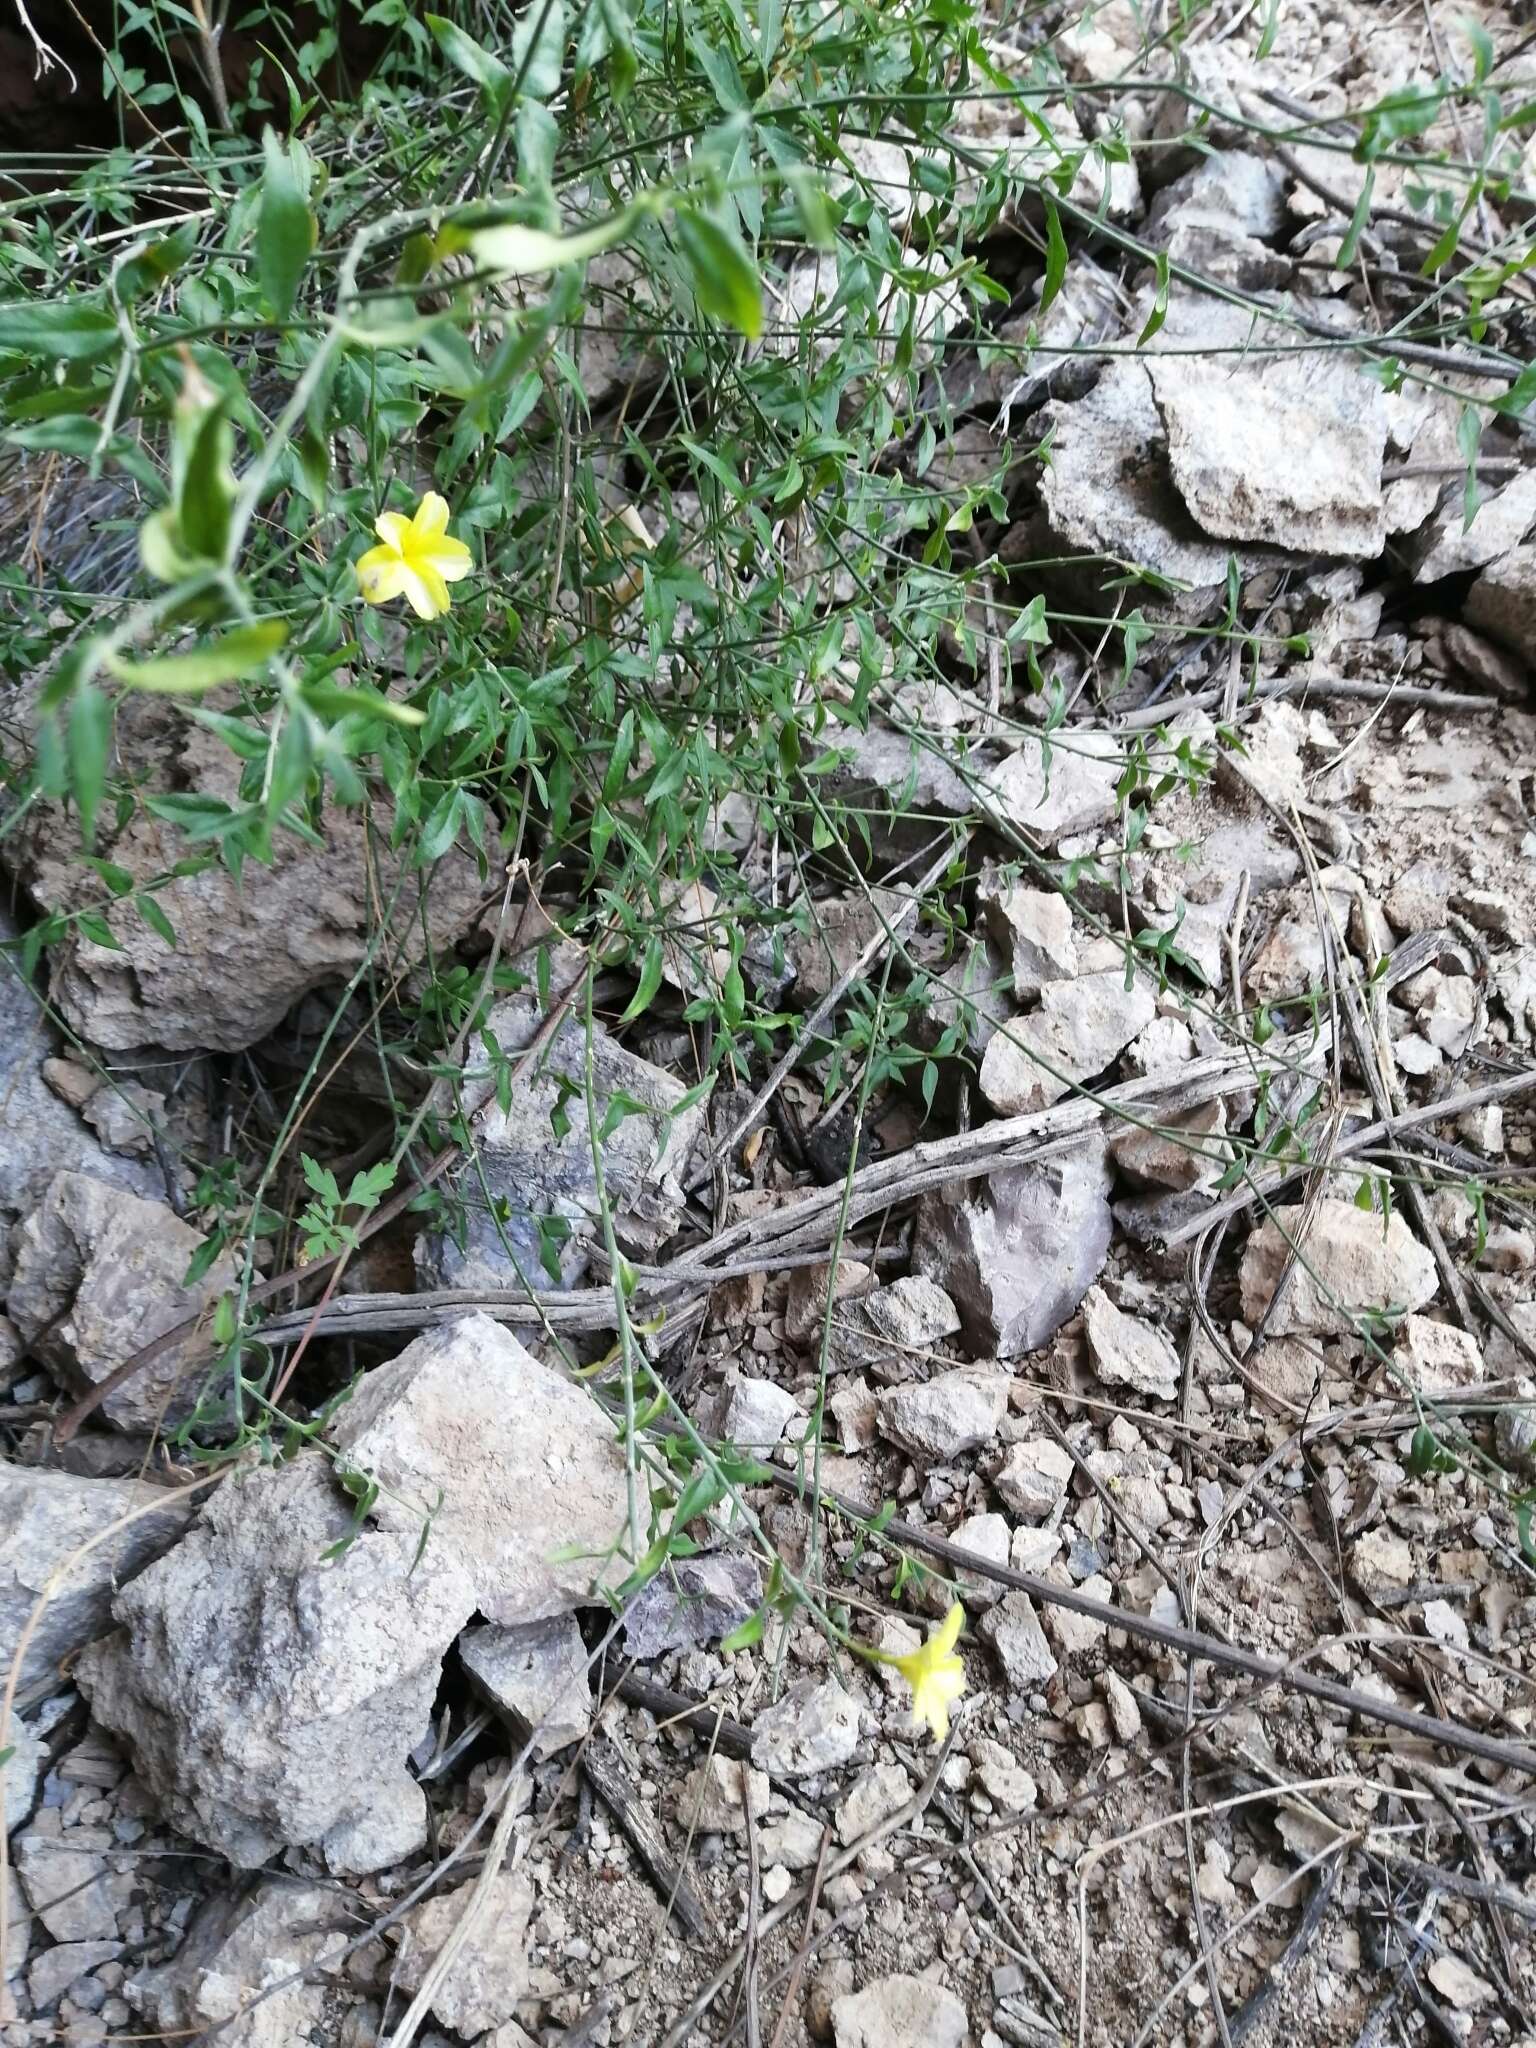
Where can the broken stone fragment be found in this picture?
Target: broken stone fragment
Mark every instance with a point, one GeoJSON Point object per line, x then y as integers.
{"type": "Point", "coordinates": [938, 1419]}
{"type": "Point", "coordinates": [490, 1968]}
{"type": "Point", "coordinates": [1354, 1262]}
{"type": "Point", "coordinates": [893, 1330]}
{"type": "Point", "coordinates": [1019, 1251]}
{"type": "Point", "coordinates": [1033, 929]}
{"type": "Point", "coordinates": [501, 1462]}
{"type": "Point", "coordinates": [248, 946]}
{"type": "Point", "coordinates": [528, 1192]}
{"type": "Point", "coordinates": [1448, 544]}
{"type": "Point", "coordinates": [98, 1275]}
{"type": "Point", "coordinates": [238, 1947]}
{"type": "Point", "coordinates": [535, 1673]}
{"type": "Point", "coordinates": [693, 1601]}
{"type": "Point", "coordinates": [899, 2012]}
{"type": "Point", "coordinates": [1179, 1152]}
{"type": "Point", "coordinates": [1034, 1477]}
{"type": "Point", "coordinates": [756, 1414]}
{"type": "Point", "coordinates": [713, 1797]}
{"type": "Point", "coordinates": [1052, 796]}
{"type": "Point", "coordinates": [1502, 602]}
{"type": "Point", "coordinates": [1013, 1633]}
{"type": "Point", "coordinates": [874, 1796]}
{"type": "Point", "coordinates": [805, 1305]}
{"type": "Point", "coordinates": [1079, 1029]}
{"type": "Point", "coordinates": [66, 1878]}
{"type": "Point", "coordinates": [1435, 1357]}
{"type": "Point", "coordinates": [813, 1728]}
{"type": "Point", "coordinates": [1128, 1352]}
{"type": "Point", "coordinates": [272, 1673]}
{"type": "Point", "coordinates": [45, 1518]}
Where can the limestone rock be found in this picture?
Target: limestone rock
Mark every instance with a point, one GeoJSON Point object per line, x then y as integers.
{"type": "Point", "coordinates": [1034, 1477]}
{"type": "Point", "coordinates": [268, 1693]}
{"type": "Point", "coordinates": [912, 1313]}
{"type": "Point", "coordinates": [1012, 1631]}
{"type": "Point", "coordinates": [490, 1971]}
{"type": "Point", "coordinates": [1179, 1152]}
{"type": "Point", "coordinates": [248, 945]}
{"type": "Point", "coordinates": [66, 1880]}
{"type": "Point", "coordinates": [899, 2012]}
{"type": "Point", "coordinates": [813, 1728]}
{"type": "Point", "coordinates": [805, 1305]}
{"type": "Point", "coordinates": [511, 1461]}
{"type": "Point", "coordinates": [694, 1601]}
{"type": "Point", "coordinates": [1502, 602]}
{"type": "Point", "coordinates": [873, 1797]}
{"type": "Point", "coordinates": [1019, 1251]}
{"type": "Point", "coordinates": [1362, 1261]}
{"type": "Point", "coordinates": [713, 1796]}
{"type": "Point", "coordinates": [45, 1517]}
{"type": "Point", "coordinates": [56, 1969]}
{"type": "Point", "coordinates": [19, 1772]}
{"type": "Point", "coordinates": [1033, 928]}
{"type": "Point", "coordinates": [536, 1673]}
{"type": "Point", "coordinates": [1079, 1029]}
{"type": "Point", "coordinates": [528, 1195]}
{"type": "Point", "coordinates": [1437, 1358]}
{"type": "Point", "coordinates": [757, 1413]}
{"type": "Point", "coordinates": [237, 1947]}
{"type": "Point", "coordinates": [1072, 791]}
{"type": "Point", "coordinates": [1447, 546]}
{"type": "Point", "coordinates": [936, 1420]}
{"type": "Point", "coordinates": [98, 1274]}
{"type": "Point", "coordinates": [1127, 1352]}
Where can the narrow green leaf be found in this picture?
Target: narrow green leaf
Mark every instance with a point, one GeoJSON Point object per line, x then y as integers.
{"type": "Point", "coordinates": [155, 918]}
{"type": "Point", "coordinates": [650, 980]}
{"type": "Point", "coordinates": [538, 48]}
{"type": "Point", "coordinates": [284, 227]}
{"type": "Point", "coordinates": [514, 250]}
{"type": "Point", "coordinates": [1055, 255]}
{"type": "Point", "coordinates": [61, 331]}
{"type": "Point", "coordinates": [89, 742]}
{"type": "Point", "coordinates": [725, 279]}
{"type": "Point", "coordinates": [474, 60]}
{"type": "Point", "coordinates": [236, 653]}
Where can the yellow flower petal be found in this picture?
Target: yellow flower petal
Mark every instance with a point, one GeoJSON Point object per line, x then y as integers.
{"type": "Point", "coordinates": [394, 529]}
{"type": "Point", "coordinates": [450, 558]}
{"type": "Point", "coordinates": [425, 590]}
{"type": "Point", "coordinates": [381, 575]}
{"type": "Point", "coordinates": [935, 1673]}
{"type": "Point", "coordinates": [431, 517]}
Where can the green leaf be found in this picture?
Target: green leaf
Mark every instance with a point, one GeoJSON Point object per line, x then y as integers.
{"type": "Point", "coordinates": [514, 250]}
{"type": "Point", "coordinates": [61, 331]}
{"type": "Point", "coordinates": [236, 653]}
{"type": "Point", "coordinates": [89, 743]}
{"type": "Point", "coordinates": [155, 918]}
{"type": "Point", "coordinates": [285, 229]}
{"type": "Point", "coordinates": [1055, 255]}
{"type": "Point", "coordinates": [725, 280]}
{"type": "Point", "coordinates": [474, 60]}
{"type": "Point", "coordinates": [538, 48]}
{"type": "Point", "coordinates": [1159, 312]}
{"type": "Point", "coordinates": [650, 980]}
{"type": "Point", "coordinates": [749, 1632]}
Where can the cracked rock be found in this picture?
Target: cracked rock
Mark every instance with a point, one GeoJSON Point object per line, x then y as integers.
{"type": "Point", "coordinates": [490, 1969]}
{"type": "Point", "coordinates": [1051, 798]}
{"type": "Point", "coordinates": [1128, 1352]}
{"type": "Point", "coordinates": [1080, 1028]}
{"type": "Point", "coordinates": [813, 1728]}
{"type": "Point", "coordinates": [536, 1674]}
{"type": "Point", "coordinates": [66, 1879]}
{"type": "Point", "coordinates": [938, 1419]}
{"type": "Point", "coordinates": [899, 2012]}
{"type": "Point", "coordinates": [248, 945]}
{"type": "Point", "coordinates": [1019, 1251]}
{"type": "Point", "coordinates": [98, 1275]}
{"type": "Point", "coordinates": [236, 1949]}
{"type": "Point", "coordinates": [506, 1460]}
{"type": "Point", "coordinates": [1033, 929]}
{"type": "Point", "coordinates": [1362, 1262]}
{"type": "Point", "coordinates": [873, 1797]}
{"type": "Point", "coordinates": [44, 1518]}
{"type": "Point", "coordinates": [270, 1694]}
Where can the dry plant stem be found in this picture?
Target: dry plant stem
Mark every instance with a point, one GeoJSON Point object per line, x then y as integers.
{"type": "Point", "coordinates": [1187, 1643]}
{"type": "Point", "coordinates": [754, 1914]}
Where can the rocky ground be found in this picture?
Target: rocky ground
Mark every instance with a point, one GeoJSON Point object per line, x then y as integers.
{"type": "Point", "coordinates": [1202, 1296]}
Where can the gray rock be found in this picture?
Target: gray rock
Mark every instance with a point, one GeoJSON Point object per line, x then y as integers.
{"type": "Point", "coordinates": [1179, 1152]}
{"type": "Point", "coordinates": [1080, 1028]}
{"type": "Point", "coordinates": [125, 1116]}
{"type": "Point", "coordinates": [1436, 1358]}
{"type": "Point", "coordinates": [269, 1692]}
{"type": "Point", "coordinates": [66, 1878]}
{"type": "Point", "coordinates": [389, 1833]}
{"type": "Point", "coordinates": [712, 1799]}
{"type": "Point", "coordinates": [1053, 797]}
{"type": "Point", "coordinates": [1116, 431]}
{"type": "Point", "coordinates": [537, 1674]}
{"type": "Point", "coordinates": [239, 1945]}
{"type": "Point", "coordinates": [938, 1419]}
{"type": "Point", "coordinates": [813, 1728]}
{"type": "Point", "coordinates": [1514, 1437]}
{"type": "Point", "coordinates": [1012, 1631]}
{"type": "Point", "coordinates": [899, 2012]}
{"type": "Point", "coordinates": [1034, 1477]}
{"type": "Point", "coordinates": [1033, 928]}
{"type": "Point", "coordinates": [40, 1135]}
{"type": "Point", "coordinates": [1284, 449]}
{"type": "Point", "coordinates": [757, 1413]}
{"type": "Point", "coordinates": [792, 1839]}
{"type": "Point", "coordinates": [45, 1517]}
{"type": "Point", "coordinates": [1446, 546]}
{"type": "Point", "coordinates": [528, 1195]}
{"type": "Point", "coordinates": [248, 945]}
{"type": "Point", "coordinates": [1019, 1251]}
{"type": "Point", "coordinates": [1355, 1261]}
{"type": "Point", "coordinates": [873, 1797]}
{"type": "Point", "coordinates": [18, 1927]}
{"type": "Point", "coordinates": [693, 1601]}
{"type": "Point", "coordinates": [1128, 1352]}
{"type": "Point", "coordinates": [20, 1770]}
{"type": "Point", "coordinates": [98, 1274]}
{"type": "Point", "coordinates": [1502, 602]}
{"type": "Point", "coordinates": [490, 1971]}
{"type": "Point", "coordinates": [511, 1462]}
{"type": "Point", "coordinates": [53, 1972]}
{"type": "Point", "coordinates": [913, 1313]}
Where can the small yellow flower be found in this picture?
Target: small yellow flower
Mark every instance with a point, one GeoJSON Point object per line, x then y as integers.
{"type": "Point", "coordinates": [935, 1673]}
{"type": "Point", "coordinates": [418, 558]}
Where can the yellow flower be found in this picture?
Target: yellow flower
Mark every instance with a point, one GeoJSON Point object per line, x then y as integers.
{"type": "Point", "coordinates": [418, 558]}
{"type": "Point", "coordinates": [935, 1673]}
